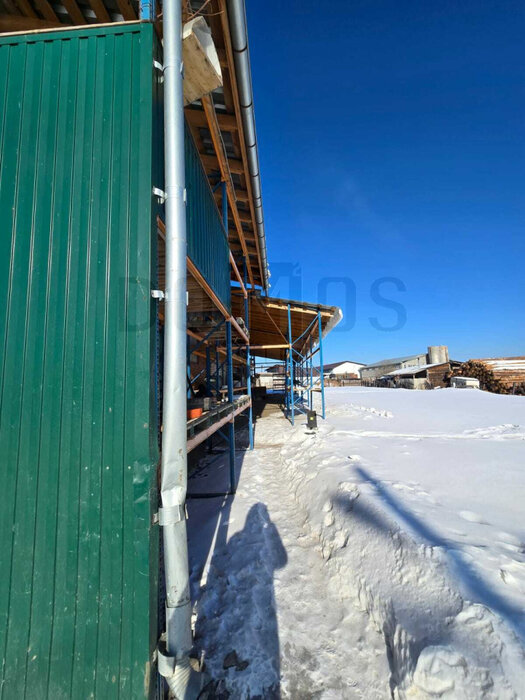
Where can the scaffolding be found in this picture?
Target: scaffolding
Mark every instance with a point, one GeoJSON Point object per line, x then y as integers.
{"type": "Point", "coordinates": [296, 376]}
{"type": "Point", "coordinates": [302, 377]}
{"type": "Point", "coordinates": [216, 379]}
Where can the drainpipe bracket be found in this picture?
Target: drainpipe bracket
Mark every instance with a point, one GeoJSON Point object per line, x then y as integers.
{"type": "Point", "coordinates": [158, 66]}
{"type": "Point", "coordinates": [157, 294]}
{"type": "Point", "coordinates": [162, 196]}
{"type": "Point", "coordinates": [184, 681]}
{"type": "Point", "coordinates": [166, 663]}
{"type": "Point", "coordinates": [172, 515]}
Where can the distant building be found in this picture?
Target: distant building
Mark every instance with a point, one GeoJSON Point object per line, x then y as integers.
{"type": "Point", "coordinates": [347, 369]}
{"type": "Point", "coordinates": [380, 369]}
{"type": "Point", "coordinates": [427, 376]}
{"type": "Point", "coordinates": [509, 370]}
{"type": "Point", "coordinates": [279, 368]}
{"type": "Point", "coordinates": [424, 370]}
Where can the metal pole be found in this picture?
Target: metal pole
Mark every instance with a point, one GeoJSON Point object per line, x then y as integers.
{"type": "Point", "coordinates": [286, 382]}
{"type": "Point", "coordinates": [229, 358]}
{"type": "Point", "coordinates": [320, 327]}
{"type": "Point", "coordinates": [217, 377]}
{"type": "Point", "coordinates": [248, 359]}
{"type": "Point", "coordinates": [311, 378]}
{"type": "Point", "coordinates": [231, 425]}
{"type": "Point", "coordinates": [292, 400]}
{"type": "Point", "coordinates": [174, 663]}
{"type": "Point", "coordinates": [208, 371]}
{"type": "Point", "coordinates": [146, 10]}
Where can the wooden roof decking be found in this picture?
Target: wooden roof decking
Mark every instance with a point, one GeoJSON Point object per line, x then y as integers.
{"type": "Point", "coordinates": [269, 323]}
{"type": "Point", "coordinates": [215, 121]}
{"type": "Point", "coordinates": [34, 15]}
{"type": "Point", "coordinates": [204, 309]}
{"type": "Point", "coordinates": [217, 129]}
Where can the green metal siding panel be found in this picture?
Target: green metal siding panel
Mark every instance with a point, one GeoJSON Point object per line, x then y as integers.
{"type": "Point", "coordinates": [207, 243]}
{"type": "Point", "coordinates": [78, 553]}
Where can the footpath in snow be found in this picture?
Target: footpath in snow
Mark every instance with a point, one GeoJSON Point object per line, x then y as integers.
{"type": "Point", "coordinates": [381, 556]}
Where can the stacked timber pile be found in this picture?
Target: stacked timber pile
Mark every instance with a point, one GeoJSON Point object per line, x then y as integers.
{"type": "Point", "coordinates": [488, 381]}
{"type": "Point", "coordinates": [509, 370]}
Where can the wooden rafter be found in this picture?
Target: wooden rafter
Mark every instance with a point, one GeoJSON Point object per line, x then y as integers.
{"type": "Point", "coordinates": [192, 269]}
{"type": "Point", "coordinates": [100, 10]}
{"type": "Point", "coordinates": [233, 83]}
{"type": "Point", "coordinates": [25, 8]}
{"type": "Point", "coordinates": [263, 307]}
{"type": "Point", "coordinates": [18, 23]}
{"type": "Point", "coordinates": [74, 12]}
{"type": "Point", "coordinates": [11, 8]}
{"type": "Point", "coordinates": [238, 275]}
{"type": "Point", "coordinates": [240, 195]}
{"type": "Point", "coordinates": [211, 343]}
{"type": "Point", "coordinates": [227, 122]}
{"type": "Point", "coordinates": [46, 11]}
{"type": "Point", "coordinates": [126, 10]}
{"type": "Point", "coordinates": [280, 346]}
{"type": "Point", "coordinates": [297, 309]}
{"type": "Point", "coordinates": [224, 165]}
{"type": "Point", "coordinates": [211, 162]}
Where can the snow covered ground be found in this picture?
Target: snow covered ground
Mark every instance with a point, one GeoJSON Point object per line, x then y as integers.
{"type": "Point", "coordinates": [383, 555]}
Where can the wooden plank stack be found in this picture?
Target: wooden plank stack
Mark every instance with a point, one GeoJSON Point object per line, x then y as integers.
{"type": "Point", "coordinates": [487, 378]}
{"type": "Point", "coordinates": [509, 370]}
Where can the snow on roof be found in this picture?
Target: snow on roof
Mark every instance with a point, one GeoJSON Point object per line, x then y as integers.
{"type": "Point", "coordinates": [333, 365]}
{"type": "Point", "coordinates": [414, 369]}
{"type": "Point", "coordinates": [396, 360]}
{"type": "Point", "coordinates": [503, 363]}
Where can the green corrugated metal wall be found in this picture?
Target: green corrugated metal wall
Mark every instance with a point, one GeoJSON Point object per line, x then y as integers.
{"type": "Point", "coordinates": [78, 553]}
{"type": "Point", "coordinates": [207, 243]}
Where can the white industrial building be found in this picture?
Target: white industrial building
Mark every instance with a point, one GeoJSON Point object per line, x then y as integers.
{"type": "Point", "coordinates": [343, 370]}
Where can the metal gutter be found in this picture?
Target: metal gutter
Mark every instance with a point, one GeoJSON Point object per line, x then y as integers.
{"type": "Point", "coordinates": [241, 54]}
{"type": "Point", "coordinates": [332, 323]}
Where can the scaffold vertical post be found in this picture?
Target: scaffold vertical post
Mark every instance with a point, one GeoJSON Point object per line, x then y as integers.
{"type": "Point", "coordinates": [248, 357]}
{"type": "Point", "coordinates": [231, 425]}
{"type": "Point", "coordinates": [311, 377]}
{"type": "Point", "coordinates": [208, 371]}
{"type": "Point", "coordinates": [321, 368]}
{"type": "Point", "coordinates": [292, 398]}
{"type": "Point", "coordinates": [229, 357]}
{"type": "Point", "coordinates": [217, 368]}
{"type": "Point", "coordinates": [286, 382]}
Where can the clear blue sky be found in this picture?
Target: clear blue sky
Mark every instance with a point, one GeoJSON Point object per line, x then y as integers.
{"type": "Point", "coordinates": [392, 145]}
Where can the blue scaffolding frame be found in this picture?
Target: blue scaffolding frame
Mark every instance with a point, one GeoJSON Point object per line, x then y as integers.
{"type": "Point", "coordinates": [219, 372]}
{"type": "Point", "coordinates": [300, 384]}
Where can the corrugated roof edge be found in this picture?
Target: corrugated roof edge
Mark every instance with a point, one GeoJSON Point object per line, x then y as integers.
{"type": "Point", "coordinates": [239, 36]}
{"type": "Point", "coordinates": [394, 360]}
{"type": "Point", "coordinates": [41, 34]}
{"type": "Point", "coordinates": [335, 311]}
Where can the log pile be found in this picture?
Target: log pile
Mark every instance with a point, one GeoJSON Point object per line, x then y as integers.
{"type": "Point", "coordinates": [511, 370]}
{"type": "Point", "coordinates": [487, 380]}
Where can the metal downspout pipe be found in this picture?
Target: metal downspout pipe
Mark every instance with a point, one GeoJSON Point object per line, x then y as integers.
{"type": "Point", "coordinates": [174, 661]}
{"type": "Point", "coordinates": [239, 36]}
